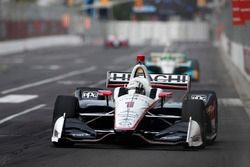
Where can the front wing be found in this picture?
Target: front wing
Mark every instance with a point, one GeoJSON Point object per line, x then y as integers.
{"type": "Point", "coordinates": [76, 130]}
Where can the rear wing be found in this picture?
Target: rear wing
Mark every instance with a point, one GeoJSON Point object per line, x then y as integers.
{"type": "Point", "coordinates": [164, 81]}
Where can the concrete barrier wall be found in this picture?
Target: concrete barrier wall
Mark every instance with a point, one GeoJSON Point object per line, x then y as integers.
{"type": "Point", "coordinates": [235, 40]}
{"type": "Point", "coordinates": [238, 54]}
{"type": "Point", "coordinates": [16, 46]}
{"type": "Point", "coordinates": [159, 33]}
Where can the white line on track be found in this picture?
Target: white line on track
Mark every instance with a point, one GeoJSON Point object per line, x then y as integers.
{"type": "Point", "coordinates": [63, 82]}
{"type": "Point", "coordinates": [22, 113]}
{"type": "Point", "coordinates": [49, 80]}
{"type": "Point", "coordinates": [230, 102]}
{"type": "Point", "coordinates": [17, 98]}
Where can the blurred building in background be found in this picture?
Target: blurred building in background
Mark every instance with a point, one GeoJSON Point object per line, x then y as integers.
{"type": "Point", "coordinates": [165, 10]}
{"type": "Point", "coordinates": [31, 18]}
{"type": "Point", "coordinates": [94, 18]}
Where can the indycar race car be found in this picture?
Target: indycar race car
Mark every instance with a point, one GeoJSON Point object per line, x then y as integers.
{"type": "Point", "coordinates": [159, 109]}
{"type": "Point", "coordinates": [173, 63]}
{"type": "Point", "coordinates": [116, 42]}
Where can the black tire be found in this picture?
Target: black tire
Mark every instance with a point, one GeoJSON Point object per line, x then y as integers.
{"type": "Point", "coordinates": [196, 110]}
{"type": "Point", "coordinates": [211, 98]}
{"type": "Point", "coordinates": [65, 104]}
{"type": "Point", "coordinates": [68, 105]}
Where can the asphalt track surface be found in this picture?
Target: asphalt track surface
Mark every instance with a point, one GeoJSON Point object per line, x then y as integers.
{"type": "Point", "coordinates": [25, 126]}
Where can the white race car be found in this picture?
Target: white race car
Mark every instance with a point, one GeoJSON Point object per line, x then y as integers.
{"type": "Point", "coordinates": [155, 108]}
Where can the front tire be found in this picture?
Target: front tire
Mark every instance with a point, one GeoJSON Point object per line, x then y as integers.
{"type": "Point", "coordinates": [210, 101]}
{"type": "Point", "coordinates": [196, 110]}
{"type": "Point", "coordinates": [68, 105]}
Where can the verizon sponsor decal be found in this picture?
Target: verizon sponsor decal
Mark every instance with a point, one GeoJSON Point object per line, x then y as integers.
{"type": "Point", "coordinates": [245, 9]}
{"type": "Point", "coordinates": [240, 12]}
{"type": "Point", "coordinates": [237, 18]}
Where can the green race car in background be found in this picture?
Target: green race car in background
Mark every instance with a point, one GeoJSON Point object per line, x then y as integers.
{"type": "Point", "coordinates": [173, 63]}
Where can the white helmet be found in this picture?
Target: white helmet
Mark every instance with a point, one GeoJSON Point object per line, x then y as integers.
{"type": "Point", "coordinates": [138, 85]}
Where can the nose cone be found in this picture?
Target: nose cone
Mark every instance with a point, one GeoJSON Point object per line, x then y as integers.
{"type": "Point", "coordinates": [130, 109]}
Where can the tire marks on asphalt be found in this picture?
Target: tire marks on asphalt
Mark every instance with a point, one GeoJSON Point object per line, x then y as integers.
{"type": "Point", "coordinates": [17, 98]}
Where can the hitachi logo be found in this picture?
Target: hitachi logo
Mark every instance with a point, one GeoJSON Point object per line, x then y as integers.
{"type": "Point", "coordinates": [120, 76]}
{"type": "Point", "coordinates": [125, 77]}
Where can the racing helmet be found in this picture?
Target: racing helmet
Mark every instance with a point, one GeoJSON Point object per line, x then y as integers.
{"type": "Point", "coordinates": [135, 86]}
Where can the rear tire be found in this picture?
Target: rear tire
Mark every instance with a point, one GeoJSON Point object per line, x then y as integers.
{"type": "Point", "coordinates": [68, 105]}
{"type": "Point", "coordinates": [196, 110]}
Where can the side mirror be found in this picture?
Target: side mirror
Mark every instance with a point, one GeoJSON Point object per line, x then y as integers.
{"type": "Point", "coordinates": [163, 96]}
{"type": "Point", "coordinates": [105, 93]}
